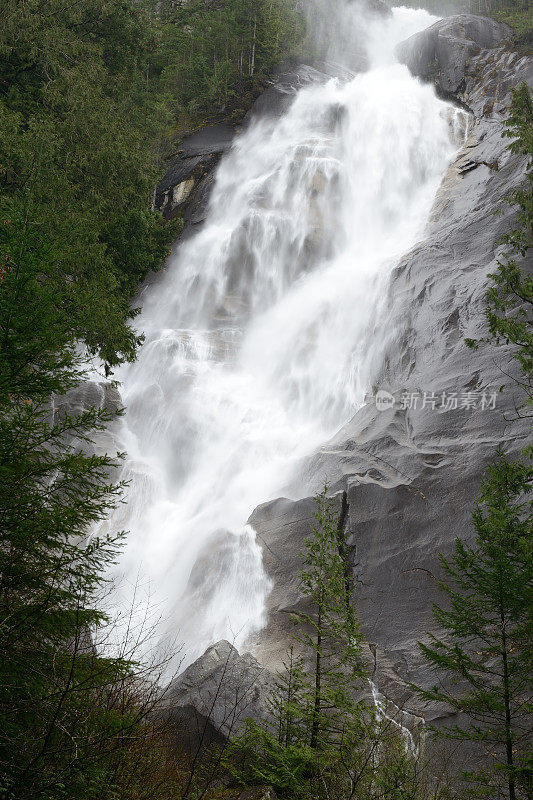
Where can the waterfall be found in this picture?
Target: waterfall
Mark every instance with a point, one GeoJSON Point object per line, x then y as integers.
{"type": "Point", "coordinates": [264, 333]}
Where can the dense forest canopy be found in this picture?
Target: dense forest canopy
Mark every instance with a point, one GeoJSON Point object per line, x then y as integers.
{"type": "Point", "coordinates": [88, 92]}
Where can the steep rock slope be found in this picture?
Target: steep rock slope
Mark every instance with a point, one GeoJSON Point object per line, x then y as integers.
{"type": "Point", "coordinates": [411, 471]}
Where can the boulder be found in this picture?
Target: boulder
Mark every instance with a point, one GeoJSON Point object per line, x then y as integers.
{"type": "Point", "coordinates": [224, 687]}
{"type": "Point", "coordinates": [440, 53]}
{"type": "Point", "coordinates": [280, 93]}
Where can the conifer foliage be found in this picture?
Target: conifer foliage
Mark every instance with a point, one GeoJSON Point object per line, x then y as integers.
{"type": "Point", "coordinates": [212, 53]}
{"type": "Point", "coordinates": [327, 629]}
{"type": "Point", "coordinates": [485, 647]}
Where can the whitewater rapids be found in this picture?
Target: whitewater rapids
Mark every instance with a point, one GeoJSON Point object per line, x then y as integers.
{"type": "Point", "coordinates": [265, 332]}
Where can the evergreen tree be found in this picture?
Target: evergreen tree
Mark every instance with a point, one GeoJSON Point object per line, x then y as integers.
{"type": "Point", "coordinates": [328, 630]}
{"type": "Point", "coordinates": [84, 106]}
{"type": "Point", "coordinates": [76, 236]}
{"type": "Point", "coordinates": [69, 714]}
{"type": "Point", "coordinates": [485, 644]}
{"type": "Point", "coordinates": [495, 577]}
{"type": "Point", "coordinates": [50, 492]}
{"type": "Point", "coordinates": [80, 124]}
{"type": "Point", "coordinates": [212, 55]}
{"type": "Point", "coordinates": [286, 701]}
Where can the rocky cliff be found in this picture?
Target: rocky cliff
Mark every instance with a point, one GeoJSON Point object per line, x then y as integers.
{"type": "Point", "coordinates": [411, 468]}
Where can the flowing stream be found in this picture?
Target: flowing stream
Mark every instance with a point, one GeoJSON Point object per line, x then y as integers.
{"type": "Point", "coordinates": [264, 334]}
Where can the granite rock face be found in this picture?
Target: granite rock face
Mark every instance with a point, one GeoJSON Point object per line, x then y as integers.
{"type": "Point", "coordinates": [183, 186]}
{"type": "Point", "coordinates": [413, 471]}
{"type": "Point", "coordinates": [224, 687]}
{"type": "Point", "coordinates": [441, 53]}
{"type": "Point", "coordinates": [278, 96]}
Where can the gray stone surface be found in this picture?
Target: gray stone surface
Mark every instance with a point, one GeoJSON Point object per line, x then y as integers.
{"type": "Point", "coordinates": [224, 687]}
{"type": "Point", "coordinates": [210, 139]}
{"type": "Point", "coordinates": [187, 730]}
{"type": "Point", "coordinates": [412, 475]}
{"type": "Point", "coordinates": [185, 188]}
{"type": "Point", "coordinates": [178, 187]}
{"type": "Point", "coordinates": [195, 159]}
{"type": "Point", "coordinates": [278, 96]}
{"type": "Point", "coordinates": [89, 394]}
{"type": "Point", "coordinates": [441, 52]}
{"type": "Point", "coordinates": [103, 395]}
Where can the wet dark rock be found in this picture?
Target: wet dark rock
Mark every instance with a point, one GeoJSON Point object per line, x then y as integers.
{"type": "Point", "coordinates": [278, 96]}
{"type": "Point", "coordinates": [185, 188]}
{"type": "Point", "coordinates": [441, 53]}
{"type": "Point", "coordinates": [196, 211]}
{"type": "Point", "coordinates": [223, 686]}
{"type": "Point", "coordinates": [210, 139]}
{"type": "Point", "coordinates": [188, 731]}
{"type": "Point", "coordinates": [177, 188]}
{"type": "Point", "coordinates": [196, 158]}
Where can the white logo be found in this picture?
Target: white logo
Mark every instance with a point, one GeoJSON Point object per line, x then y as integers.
{"type": "Point", "coordinates": [384, 400]}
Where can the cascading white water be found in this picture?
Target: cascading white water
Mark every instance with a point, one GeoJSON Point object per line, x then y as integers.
{"type": "Point", "coordinates": [264, 334]}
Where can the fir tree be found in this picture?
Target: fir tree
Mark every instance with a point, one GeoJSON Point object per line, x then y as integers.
{"type": "Point", "coordinates": [286, 702]}
{"type": "Point", "coordinates": [485, 644]}
{"type": "Point", "coordinates": [324, 741]}
{"type": "Point", "coordinates": [328, 630]}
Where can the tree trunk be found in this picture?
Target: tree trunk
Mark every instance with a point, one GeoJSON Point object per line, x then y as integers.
{"type": "Point", "coordinates": [252, 56]}
{"type": "Point", "coordinates": [507, 703]}
{"type": "Point", "coordinates": [341, 544]}
{"type": "Point", "coordinates": [318, 675]}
